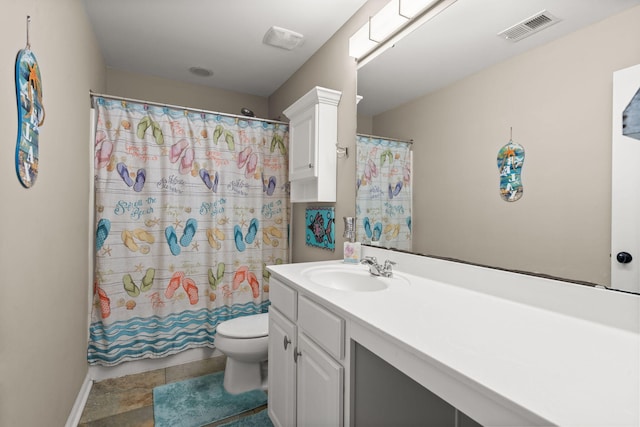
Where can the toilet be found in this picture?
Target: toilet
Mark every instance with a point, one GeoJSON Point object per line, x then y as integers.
{"type": "Point", "coordinates": [244, 340]}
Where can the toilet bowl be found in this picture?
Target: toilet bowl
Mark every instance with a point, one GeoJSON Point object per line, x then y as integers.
{"type": "Point", "coordinates": [244, 340]}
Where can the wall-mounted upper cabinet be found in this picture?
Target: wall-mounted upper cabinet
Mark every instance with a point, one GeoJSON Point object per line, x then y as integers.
{"type": "Point", "coordinates": [313, 135]}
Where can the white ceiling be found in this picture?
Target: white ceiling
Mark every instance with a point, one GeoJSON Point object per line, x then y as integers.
{"type": "Point", "coordinates": [166, 37]}
{"type": "Point", "coordinates": [463, 40]}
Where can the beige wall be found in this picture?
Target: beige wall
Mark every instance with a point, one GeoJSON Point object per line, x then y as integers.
{"type": "Point", "coordinates": [365, 124]}
{"type": "Point", "coordinates": [44, 256]}
{"type": "Point", "coordinates": [157, 89]}
{"type": "Point", "coordinates": [557, 98]}
{"type": "Point", "coordinates": [330, 67]}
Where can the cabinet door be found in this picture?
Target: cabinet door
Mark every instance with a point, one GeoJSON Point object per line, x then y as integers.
{"type": "Point", "coordinates": [302, 146]}
{"type": "Point", "coordinates": [320, 386]}
{"type": "Point", "coordinates": [282, 370]}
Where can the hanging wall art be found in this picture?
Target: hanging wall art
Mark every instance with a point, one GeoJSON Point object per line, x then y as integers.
{"type": "Point", "coordinates": [30, 114]}
{"type": "Point", "coordinates": [631, 117]}
{"type": "Point", "coordinates": [320, 225]}
{"type": "Point", "coordinates": [510, 161]}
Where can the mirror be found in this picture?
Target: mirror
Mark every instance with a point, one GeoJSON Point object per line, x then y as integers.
{"type": "Point", "coordinates": [457, 89]}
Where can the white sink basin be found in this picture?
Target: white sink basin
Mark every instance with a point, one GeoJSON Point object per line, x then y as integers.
{"type": "Point", "coordinates": [352, 278]}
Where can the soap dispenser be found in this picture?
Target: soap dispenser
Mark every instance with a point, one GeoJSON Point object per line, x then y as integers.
{"type": "Point", "coordinates": [351, 247]}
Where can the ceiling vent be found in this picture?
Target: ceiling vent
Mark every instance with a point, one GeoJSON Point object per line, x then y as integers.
{"type": "Point", "coordinates": [529, 26]}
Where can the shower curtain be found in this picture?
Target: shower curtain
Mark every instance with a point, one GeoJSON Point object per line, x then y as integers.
{"type": "Point", "coordinates": [383, 196]}
{"type": "Point", "coordinates": [190, 208]}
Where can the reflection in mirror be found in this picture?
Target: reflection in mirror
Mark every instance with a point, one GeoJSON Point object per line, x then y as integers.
{"type": "Point", "coordinates": [383, 195]}
{"type": "Point", "coordinates": [456, 88]}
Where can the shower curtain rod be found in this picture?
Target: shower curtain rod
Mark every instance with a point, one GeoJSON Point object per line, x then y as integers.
{"type": "Point", "coordinates": [410, 142]}
{"type": "Point", "coordinates": [179, 107]}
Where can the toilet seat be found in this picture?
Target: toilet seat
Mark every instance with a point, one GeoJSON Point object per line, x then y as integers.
{"type": "Point", "coordinates": [253, 326]}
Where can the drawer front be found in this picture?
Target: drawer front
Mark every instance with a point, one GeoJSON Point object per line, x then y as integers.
{"type": "Point", "coordinates": [324, 327]}
{"type": "Point", "coordinates": [283, 298]}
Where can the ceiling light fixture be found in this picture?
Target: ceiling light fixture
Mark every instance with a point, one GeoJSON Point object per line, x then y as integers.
{"type": "Point", "coordinates": [283, 38]}
{"type": "Point", "coordinates": [394, 21]}
{"type": "Point", "coordinates": [201, 71]}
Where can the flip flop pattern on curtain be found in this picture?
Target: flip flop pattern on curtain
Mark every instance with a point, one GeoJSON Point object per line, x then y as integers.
{"type": "Point", "coordinates": [190, 208]}
{"type": "Point", "coordinates": [383, 196]}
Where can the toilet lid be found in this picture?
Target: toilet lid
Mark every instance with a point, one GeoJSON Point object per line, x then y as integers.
{"type": "Point", "coordinates": [253, 326]}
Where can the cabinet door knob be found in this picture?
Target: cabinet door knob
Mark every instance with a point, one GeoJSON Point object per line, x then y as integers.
{"type": "Point", "coordinates": [287, 341]}
{"type": "Point", "coordinates": [296, 354]}
{"type": "Point", "coordinates": [310, 166]}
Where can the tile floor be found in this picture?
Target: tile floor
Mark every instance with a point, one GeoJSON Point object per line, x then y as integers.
{"type": "Point", "coordinates": [128, 401]}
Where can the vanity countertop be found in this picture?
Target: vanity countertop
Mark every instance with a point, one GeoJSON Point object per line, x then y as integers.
{"type": "Point", "coordinates": [564, 369]}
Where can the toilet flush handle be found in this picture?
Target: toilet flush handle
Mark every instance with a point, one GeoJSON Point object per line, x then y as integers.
{"type": "Point", "coordinates": [287, 341]}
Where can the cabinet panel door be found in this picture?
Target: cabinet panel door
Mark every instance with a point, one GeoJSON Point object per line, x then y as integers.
{"type": "Point", "coordinates": [320, 386]}
{"type": "Point", "coordinates": [282, 370]}
{"type": "Point", "coordinates": [303, 146]}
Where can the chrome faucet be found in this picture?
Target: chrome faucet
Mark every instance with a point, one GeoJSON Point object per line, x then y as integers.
{"type": "Point", "coordinates": [376, 269]}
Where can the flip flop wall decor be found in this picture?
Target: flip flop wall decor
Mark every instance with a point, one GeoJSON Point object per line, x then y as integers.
{"type": "Point", "coordinates": [30, 116]}
{"type": "Point", "coordinates": [30, 113]}
{"type": "Point", "coordinates": [631, 117]}
{"type": "Point", "coordinates": [510, 161]}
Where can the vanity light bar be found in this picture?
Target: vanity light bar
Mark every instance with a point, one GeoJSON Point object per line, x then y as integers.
{"type": "Point", "coordinates": [410, 8]}
{"type": "Point", "coordinates": [386, 21]}
{"type": "Point", "coordinates": [394, 21]}
{"type": "Point", "coordinates": [361, 43]}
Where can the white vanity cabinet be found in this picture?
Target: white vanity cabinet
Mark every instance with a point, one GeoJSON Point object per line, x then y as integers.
{"type": "Point", "coordinates": [306, 349]}
{"type": "Point", "coordinates": [313, 135]}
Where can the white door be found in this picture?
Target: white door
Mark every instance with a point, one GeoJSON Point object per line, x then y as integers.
{"type": "Point", "coordinates": [320, 386]}
{"type": "Point", "coordinates": [625, 192]}
{"type": "Point", "coordinates": [282, 370]}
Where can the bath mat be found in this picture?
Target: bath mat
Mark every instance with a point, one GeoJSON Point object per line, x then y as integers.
{"type": "Point", "coordinates": [200, 401]}
{"type": "Point", "coordinates": [261, 419]}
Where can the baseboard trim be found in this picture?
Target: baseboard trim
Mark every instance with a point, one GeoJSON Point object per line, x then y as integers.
{"type": "Point", "coordinates": [81, 401]}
